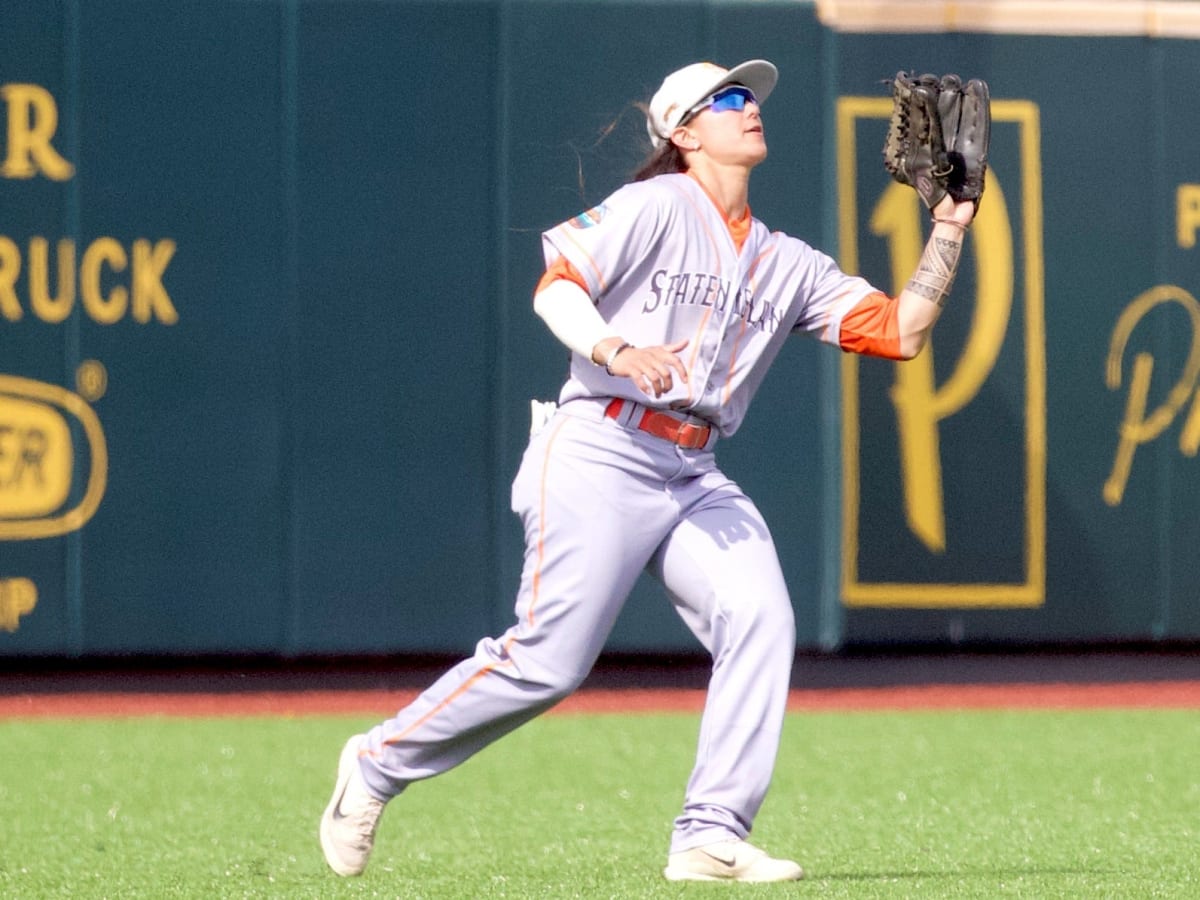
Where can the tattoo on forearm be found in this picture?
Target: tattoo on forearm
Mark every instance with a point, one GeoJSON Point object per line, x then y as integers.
{"type": "Point", "coordinates": [936, 270]}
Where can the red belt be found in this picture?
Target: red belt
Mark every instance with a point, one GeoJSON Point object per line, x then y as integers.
{"type": "Point", "coordinates": [684, 434]}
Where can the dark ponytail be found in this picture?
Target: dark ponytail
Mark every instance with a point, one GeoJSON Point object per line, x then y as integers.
{"type": "Point", "coordinates": [665, 160]}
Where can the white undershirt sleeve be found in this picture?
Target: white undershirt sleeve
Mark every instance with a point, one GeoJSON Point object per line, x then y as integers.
{"type": "Point", "coordinates": [570, 314]}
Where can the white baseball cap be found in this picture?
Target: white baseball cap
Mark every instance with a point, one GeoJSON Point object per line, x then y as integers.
{"type": "Point", "coordinates": [683, 89]}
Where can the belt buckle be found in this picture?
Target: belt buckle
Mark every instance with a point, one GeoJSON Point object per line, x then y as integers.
{"type": "Point", "coordinates": [692, 436]}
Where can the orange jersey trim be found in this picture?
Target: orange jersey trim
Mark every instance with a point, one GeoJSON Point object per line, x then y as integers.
{"type": "Point", "coordinates": [561, 268]}
{"type": "Point", "coordinates": [454, 695]}
{"type": "Point", "coordinates": [733, 354]}
{"type": "Point", "coordinates": [739, 229]}
{"type": "Point", "coordinates": [872, 327]}
{"type": "Point", "coordinates": [600, 282]}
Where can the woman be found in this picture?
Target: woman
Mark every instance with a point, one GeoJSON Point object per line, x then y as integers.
{"type": "Point", "coordinates": [674, 301]}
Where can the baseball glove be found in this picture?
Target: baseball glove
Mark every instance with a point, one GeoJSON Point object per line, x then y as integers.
{"type": "Point", "coordinates": [966, 114]}
{"type": "Point", "coordinates": [937, 140]}
{"type": "Point", "coordinates": [914, 151]}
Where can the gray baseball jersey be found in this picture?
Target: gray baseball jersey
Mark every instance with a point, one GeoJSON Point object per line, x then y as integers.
{"type": "Point", "coordinates": [603, 496]}
{"type": "Point", "coordinates": [661, 265]}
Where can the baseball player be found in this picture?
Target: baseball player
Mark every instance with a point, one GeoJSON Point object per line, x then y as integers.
{"type": "Point", "coordinates": [674, 300]}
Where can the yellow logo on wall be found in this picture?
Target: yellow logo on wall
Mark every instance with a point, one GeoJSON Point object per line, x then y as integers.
{"type": "Point", "coordinates": [37, 457]}
{"type": "Point", "coordinates": [18, 597]}
{"type": "Point", "coordinates": [917, 411]}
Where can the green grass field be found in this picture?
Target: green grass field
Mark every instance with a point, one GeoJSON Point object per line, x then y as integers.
{"type": "Point", "coordinates": [930, 804]}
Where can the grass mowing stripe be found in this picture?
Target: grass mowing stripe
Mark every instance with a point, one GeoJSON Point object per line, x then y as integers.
{"type": "Point", "coordinates": [912, 804]}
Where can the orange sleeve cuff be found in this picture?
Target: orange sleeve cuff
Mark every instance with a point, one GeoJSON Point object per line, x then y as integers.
{"type": "Point", "coordinates": [872, 327]}
{"type": "Point", "coordinates": [562, 268]}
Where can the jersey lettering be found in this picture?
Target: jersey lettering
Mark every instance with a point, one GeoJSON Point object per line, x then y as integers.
{"type": "Point", "coordinates": [702, 289]}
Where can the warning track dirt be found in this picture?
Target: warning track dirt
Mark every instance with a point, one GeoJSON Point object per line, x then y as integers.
{"type": "Point", "coordinates": [968, 681]}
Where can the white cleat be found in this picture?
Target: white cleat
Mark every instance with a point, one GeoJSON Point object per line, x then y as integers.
{"type": "Point", "coordinates": [349, 823]}
{"type": "Point", "coordinates": [731, 860]}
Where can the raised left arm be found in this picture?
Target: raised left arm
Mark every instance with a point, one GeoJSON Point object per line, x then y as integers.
{"type": "Point", "coordinates": [937, 143]}
{"type": "Point", "coordinates": [921, 301]}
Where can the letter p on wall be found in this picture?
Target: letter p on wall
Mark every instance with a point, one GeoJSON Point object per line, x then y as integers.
{"type": "Point", "coordinates": [1187, 214]}
{"type": "Point", "coordinates": [907, 539]}
{"type": "Point", "coordinates": [18, 597]}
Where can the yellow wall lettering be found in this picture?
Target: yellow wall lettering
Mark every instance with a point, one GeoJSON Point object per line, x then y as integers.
{"type": "Point", "coordinates": [150, 300]}
{"type": "Point", "coordinates": [18, 597]}
{"type": "Point", "coordinates": [51, 297]}
{"type": "Point", "coordinates": [1136, 426]}
{"type": "Point", "coordinates": [105, 310]}
{"type": "Point", "coordinates": [10, 268]}
{"type": "Point", "coordinates": [32, 121]}
{"type": "Point", "coordinates": [46, 306]}
{"type": "Point", "coordinates": [1187, 214]}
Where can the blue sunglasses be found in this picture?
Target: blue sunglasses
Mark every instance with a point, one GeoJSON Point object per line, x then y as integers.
{"type": "Point", "coordinates": [732, 98]}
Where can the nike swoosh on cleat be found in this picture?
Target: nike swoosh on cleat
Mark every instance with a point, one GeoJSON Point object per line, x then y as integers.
{"type": "Point", "coordinates": [337, 815]}
{"type": "Point", "coordinates": [728, 863]}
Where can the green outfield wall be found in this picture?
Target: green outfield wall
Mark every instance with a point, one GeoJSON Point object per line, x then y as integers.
{"type": "Point", "coordinates": [267, 346]}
